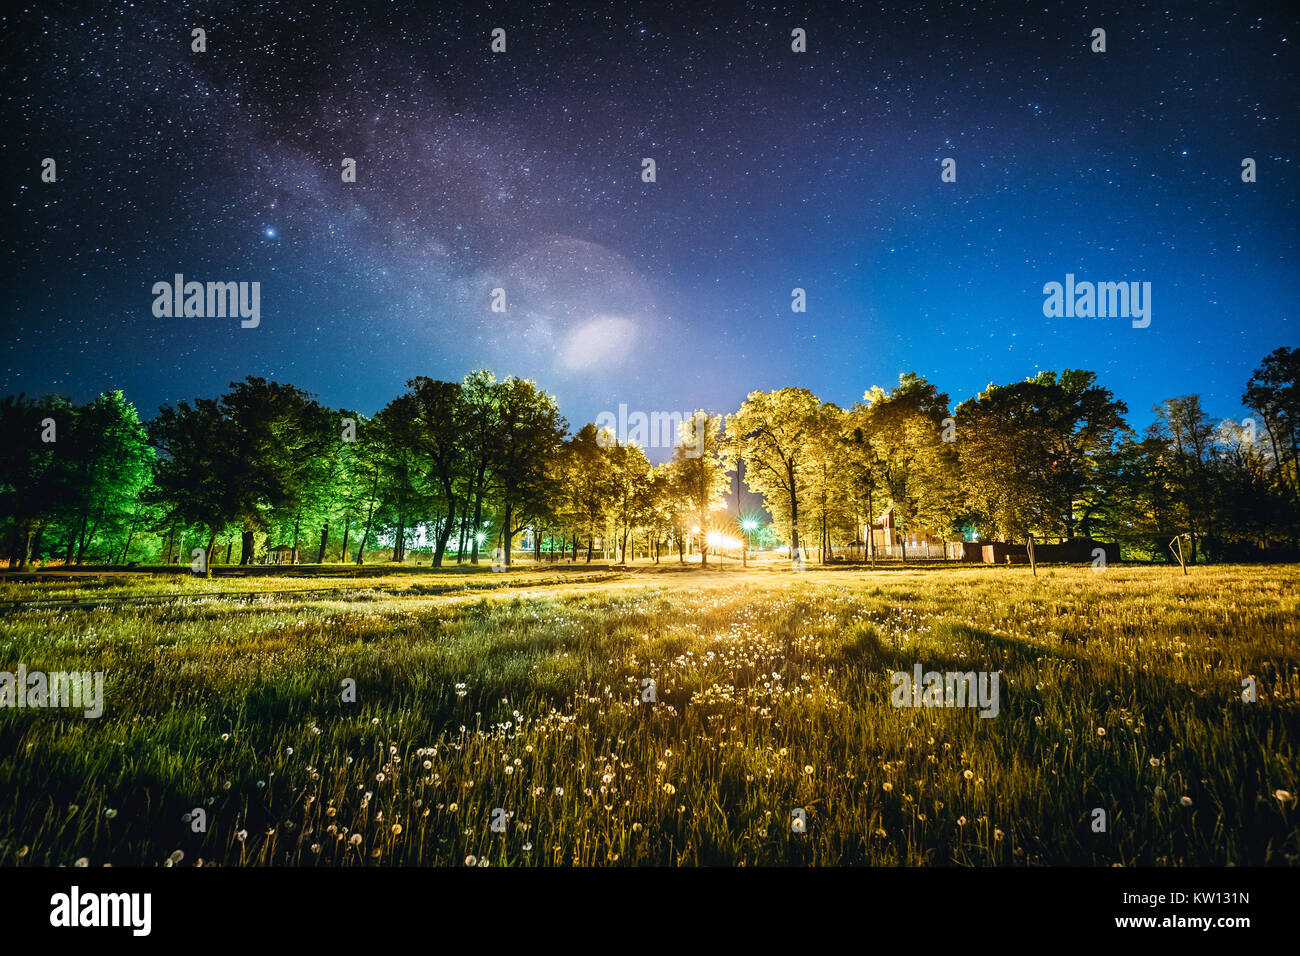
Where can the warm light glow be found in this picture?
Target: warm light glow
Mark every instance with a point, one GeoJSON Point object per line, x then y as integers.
{"type": "Point", "coordinates": [695, 529]}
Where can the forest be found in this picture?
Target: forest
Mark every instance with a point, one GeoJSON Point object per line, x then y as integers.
{"type": "Point", "coordinates": [453, 470]}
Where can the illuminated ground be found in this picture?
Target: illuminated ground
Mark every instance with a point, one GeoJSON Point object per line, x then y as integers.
{"type": "Point", "coordinates": [1120, 691]}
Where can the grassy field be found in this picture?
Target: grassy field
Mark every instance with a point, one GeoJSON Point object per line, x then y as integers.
{"type": "Point", "coordinates": [1121, 690]}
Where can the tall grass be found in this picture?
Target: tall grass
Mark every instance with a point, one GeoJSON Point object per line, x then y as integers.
{"type": "Point", "coordinates": [1121, 691]}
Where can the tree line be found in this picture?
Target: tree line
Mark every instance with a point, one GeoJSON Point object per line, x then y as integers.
{"type": "Point", "coordinates": [463, 468]}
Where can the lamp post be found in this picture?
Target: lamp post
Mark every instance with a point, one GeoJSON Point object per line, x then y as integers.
{"type": "Point", "coordinates": [749, 525]}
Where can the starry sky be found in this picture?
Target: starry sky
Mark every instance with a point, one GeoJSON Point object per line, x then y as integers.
{"type": "Point", "coordinates": [522, 170]}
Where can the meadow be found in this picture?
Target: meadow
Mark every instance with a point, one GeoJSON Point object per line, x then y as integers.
{"type": "Point", "coordinates": [498, 719]}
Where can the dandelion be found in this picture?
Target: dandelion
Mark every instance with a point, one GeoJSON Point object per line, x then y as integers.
{"type": "Point", "coordinates": [669, 789]}
{"type": "Point", "coordinates": [315, 847]}
{"type": "Point", "coordinates": [997, 834]}
{"type": "Point", "coordinates": [968, 774]}
{"type": "Point", "coordinates": [84, 861]}
{"type": "Point", "coordinates": [225, 737]}
{"type": "Point", "coordinates": [528, 847]}
{"type": "Point", "coordinates": [452, 808]}
{"type": "Point", "coordinates": [961, 821]}
{"type": "Point", "coordinates": [1283, 796]}
{"type": "Point", "coordinates": [397, 829]}
{"type": "Point", "coordinates": [110, 813]}
{"type": "Point", "coordinates": [289, 751]}
{"type": "Point", "coordinates": [1154, 761]}
{"type": "Point", "coordinates": [379, 778]}
{"type": "Point", "coordinates": [887, 786]}
{"type": "Point", "coordinates": [1185, 801]}
{"type": "Point", "coordinates": [176, 856]}
{"type": "Point", "coordinates": [428, 765]}
{"type": "Point", "coordinates": [509, 770]}
{"type": "Point", "coordinates": [241, 835]}
{"type": "Point", "coordinates": [881, 833]}
{"type": "Point", "coordinates": [374, 720]}
{"type": "Point", "coordinates": [559, 791]}
{"type": "Point", "coordinates": [807, 768]}
{"type": "Point", "coordinates": [355, 839]}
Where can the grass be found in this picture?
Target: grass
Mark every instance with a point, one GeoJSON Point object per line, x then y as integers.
{"type": "Point", "coordinates": [1120, 691]}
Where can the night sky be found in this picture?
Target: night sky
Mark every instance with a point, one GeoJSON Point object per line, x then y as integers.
{"type": "Point", "coordinates": [522, 170]}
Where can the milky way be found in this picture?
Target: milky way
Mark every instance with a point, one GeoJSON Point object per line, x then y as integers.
{"type": "Point", "coordinates": [521, 171]}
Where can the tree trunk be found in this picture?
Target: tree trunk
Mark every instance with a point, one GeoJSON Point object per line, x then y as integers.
{"type": "Point", "coordinates": [207, 554]}
{"type": "Point", "coordinates": [370, 513]}
{"type": "Point", "coordinates": [247, 547]}
{"type": "Point", "coordinates": [507, 532]}
{"type": "Point", "coordinates": [460, 541]}
{"type": "Point", "coordinates": [478, 519]}
{"type": "Point", "coordinates": [347, 529]}
{"type": "Point", "coordinates": [444, 532]}
{"type": "Point", "coordinates": [324, 540]}
{"type": "Point", "coordinates": [27, 548]}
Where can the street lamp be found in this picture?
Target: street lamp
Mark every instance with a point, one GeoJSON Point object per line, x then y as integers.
{"type": "Point", "coordinates": [749, 524]}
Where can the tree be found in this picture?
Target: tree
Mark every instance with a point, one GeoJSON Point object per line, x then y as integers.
{"type": "Point", "coordinates": [1187, 436]}
{"type": "Point", "coordinates": [1272, 393]}
{"type": "Point", "coordinates": [35, 483]}
{"type": "Point", "coordinates": [1030, 453]}
{"type": "Point", "coordinates": [903, 432]}
{"type": "Point", "coordinates": [440, 418]}
{"type": "Point", "coordinates": [528, 434]}
{"type": "Point", "coordinates": [772, 432]}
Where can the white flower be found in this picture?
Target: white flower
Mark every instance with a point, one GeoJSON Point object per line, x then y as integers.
{"type": "Point", "coordinates": [471, 860]}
